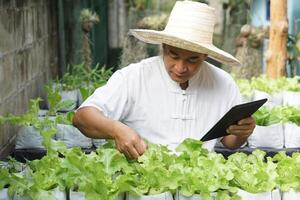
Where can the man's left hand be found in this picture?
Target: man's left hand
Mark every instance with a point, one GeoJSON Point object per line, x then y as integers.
{"type": "Point", "coordinates": [243, 129]}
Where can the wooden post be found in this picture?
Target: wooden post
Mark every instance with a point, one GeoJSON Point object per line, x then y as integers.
{"type": "Point", "coordinates": [276, 55]}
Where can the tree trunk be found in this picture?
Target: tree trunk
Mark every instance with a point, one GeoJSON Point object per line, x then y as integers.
{"type": "Point", "coordinates": [277, 52]}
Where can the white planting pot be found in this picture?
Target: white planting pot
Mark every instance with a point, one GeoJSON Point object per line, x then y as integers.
{"type": "Point", "coordinates": [274, 195]}
{"type": "Point", "coordinates": [79, 97]}
{"type": "Point", "coordinates": [67, 95]}
{"type": "Point", "coordinates": [273, 99]}
{"type": "Point", "coordinates": [4, 194]}
{"type": "Point", "coordinates": [267, 136]}
{"type": "Point", "coordinates": [162, 196]}
{"type": "Point", "coordinates": [72, 137]}
{"type": "Point", "coordinates": [77, 195]}
{"type": "Point", "coordinates": [290, 195]}
{"type": "Point", "coordinates": [291, 135]}
{"type": "Point", "coordinates": [59, 195]}
{"type": "Point", "coordinates": [70, 95]}
{"type": "Point", "coordinates": [81, 196]}
{"type": "Point", "coordinates": [42, 113]}
{"type": "Point", "coordinates": [291, 98]}
{"type": "Point", "coordinates": [179, 196]}
{"type": "Point", "coordinates": [18, 197]}
{"type": "Point", "coordinates": [28, 137]}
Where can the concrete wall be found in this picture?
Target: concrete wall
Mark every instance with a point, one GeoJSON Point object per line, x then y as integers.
{"type": "Point", "coordinates": [28, 57]}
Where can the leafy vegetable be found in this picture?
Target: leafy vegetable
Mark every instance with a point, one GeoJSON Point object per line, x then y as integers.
{"type": "Point", "coordinates": [252, 173]}
{"type": "Point", "coordinates": [267, 116]}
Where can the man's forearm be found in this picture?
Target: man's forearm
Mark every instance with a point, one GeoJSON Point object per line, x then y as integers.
{"type": "Point", "coordinates": [92, 123]}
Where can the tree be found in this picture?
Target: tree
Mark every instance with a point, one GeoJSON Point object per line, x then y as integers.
{"type": "Point", "coordinates": [276, 55]}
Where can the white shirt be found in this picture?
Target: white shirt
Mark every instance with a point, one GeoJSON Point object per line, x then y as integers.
{"type": "Point", "coordinates": [144, 97]}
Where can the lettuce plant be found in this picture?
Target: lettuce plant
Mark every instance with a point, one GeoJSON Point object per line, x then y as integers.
{"type": "Point", "coordinates": [253, 173]}
{"type": "Point", "coordinates": [288, 171]}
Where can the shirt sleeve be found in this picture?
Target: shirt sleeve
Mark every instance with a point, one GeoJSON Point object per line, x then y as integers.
{"type": "Point", "coordinates": [112, 98]}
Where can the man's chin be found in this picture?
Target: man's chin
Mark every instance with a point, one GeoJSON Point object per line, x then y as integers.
{"type": "Point", "coordinates": [179, 81]}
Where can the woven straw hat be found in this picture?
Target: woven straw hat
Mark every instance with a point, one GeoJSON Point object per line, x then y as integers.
{"type": "Point", "coordinates": [190, 27]}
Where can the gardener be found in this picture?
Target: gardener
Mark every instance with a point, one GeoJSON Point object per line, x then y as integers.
{"type": "Point", "coordinates": [168, 98]}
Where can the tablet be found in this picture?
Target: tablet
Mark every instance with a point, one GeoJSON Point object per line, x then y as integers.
{"type": "Point", "coordinates": [235, 114]}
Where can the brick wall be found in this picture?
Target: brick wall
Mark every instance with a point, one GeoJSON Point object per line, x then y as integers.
{"type": "Point", "coordinates": [28, 57]}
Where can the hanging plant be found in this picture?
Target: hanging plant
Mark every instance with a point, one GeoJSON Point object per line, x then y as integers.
{"type": "Point", "coordinates": [87, 19]}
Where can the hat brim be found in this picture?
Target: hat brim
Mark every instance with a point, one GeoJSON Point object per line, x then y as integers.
{"type": "Point", "coordinates": [159, 37]}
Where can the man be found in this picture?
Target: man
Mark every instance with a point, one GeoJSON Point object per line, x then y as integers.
{"type": "Point", "coordinates": [168, 98]}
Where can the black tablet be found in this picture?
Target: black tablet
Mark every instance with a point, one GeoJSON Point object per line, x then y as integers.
{"type": "Point", "coordinates": [235, 114]}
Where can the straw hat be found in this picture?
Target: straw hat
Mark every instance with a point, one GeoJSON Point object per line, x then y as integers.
{"type": "Point", "coordinates": [190, 27]}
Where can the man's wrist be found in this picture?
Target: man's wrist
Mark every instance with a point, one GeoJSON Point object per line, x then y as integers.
{"type": "Point", "coordinates": [115, 129]}
{"type": "Point", "coordinates": [242, 138]}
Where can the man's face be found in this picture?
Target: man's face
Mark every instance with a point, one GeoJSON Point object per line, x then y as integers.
{"type": "Point", "coordinates": [181, 64]}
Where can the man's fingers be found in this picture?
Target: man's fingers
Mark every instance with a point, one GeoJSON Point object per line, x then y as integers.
{"type": "Point", "coordinates": [145, 146]}
{"type": "Point", "coordinates": [240, 132]}
{"type": "Point", "coordinates": [248, 120]}
{"type": "Point", "coordinates": [240, 127]}
{"type": "Point", "coordinates": [127, 154]}
{"type": "Point", "coordinates": [140, 147]}
{"type": "Point", "coordinates": [133, 153]}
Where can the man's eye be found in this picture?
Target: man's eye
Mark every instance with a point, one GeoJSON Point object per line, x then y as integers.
{"type": "Point", "coordinates": [173, 56]}
{"type": "Point", "coordinates": [193, 60]}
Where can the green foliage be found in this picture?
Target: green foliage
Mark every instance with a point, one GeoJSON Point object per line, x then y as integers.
{"type": "Point", "coordinates": [252, 173]}
{"type": "Point", "coordinates": [270, 86]}
{"type": "Point", "coordinates": [46, 126]}
{"type": "Point", "coordinates": [73, 78]}
{"type": "Point", "coordinates": [245, 87]}
{"type": "Point", "coordinates": [155, 22]}
{"type": "Point", "coordinates": [27, 119]}
{"type": "Point", "coordinates": [79, 77]}
{"type": "Point", "coordinates": [288, 171]}
{"type": "Point", "coordinates": [105, 173]}
{"type": "Point", "coordinates": [4, 178]}
{"type": "Point", "coordinates": [266, 116]}
{"type": "Point", "coordinates": [199, 171]}
{"type": "Point", "coordinates": [55, 100]}
{"type": "Point", "coordinates": [87, 15]}
{"type": "Point", "coordinates": [97, 77]}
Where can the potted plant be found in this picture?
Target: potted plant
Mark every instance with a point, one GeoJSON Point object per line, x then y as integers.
{"type": "Point", "coordinates": [267, 88]}
{"type": "Point", "coordinates": [201, 174]}
{"type": "Point", "coordinates": [255, 177]}
{"type": "Point", "coordinates": [269, 129]}
{"type": "Point", "coordinates": [292, 127]}
{"type": "Point", "coordinates": [288, 180]}
{"type": "Point", "coordinates": [151, 178]}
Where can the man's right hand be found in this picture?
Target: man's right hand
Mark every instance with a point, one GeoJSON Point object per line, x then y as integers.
{"type": "Point", "coordinates": [128, 141]}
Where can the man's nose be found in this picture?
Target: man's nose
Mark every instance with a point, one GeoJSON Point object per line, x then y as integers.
{"type": "Point", "coordinates": [181, 66]}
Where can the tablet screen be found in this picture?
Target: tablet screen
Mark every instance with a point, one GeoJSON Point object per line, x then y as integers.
{"type": "Point", "coordinates": [235, 114]}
